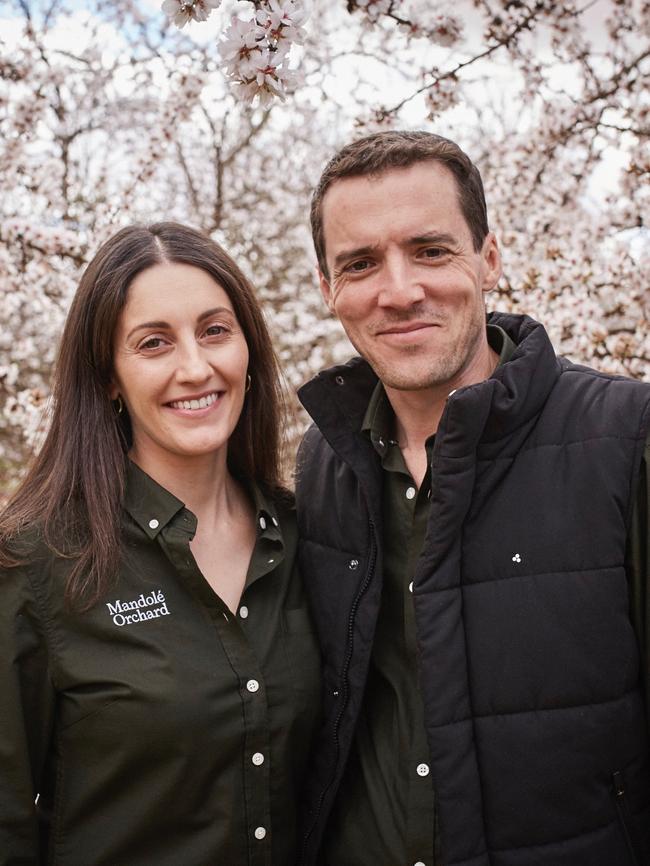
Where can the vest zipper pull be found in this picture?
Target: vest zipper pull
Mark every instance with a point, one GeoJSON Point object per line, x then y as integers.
{"type": "Point", "coordinates": [619, 786]}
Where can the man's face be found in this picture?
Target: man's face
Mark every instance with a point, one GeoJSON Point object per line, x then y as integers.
{"type": "Point", "coordinates": [405, 280]}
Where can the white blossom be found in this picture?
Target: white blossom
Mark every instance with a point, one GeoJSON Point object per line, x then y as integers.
{"type": "Point", "coordinates": [373, 9]}
{"type": "Point", "coordinates": [256, 51]}
{"type": "Point", "coordinates": [179, 12]}
{"type": "Point", "coordinates": [240, 39]}
{"type": "Point", "coordinates": [283, 21]}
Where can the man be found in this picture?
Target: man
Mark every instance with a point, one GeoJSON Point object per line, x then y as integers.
{"type": "Point", "coordinates": [472, 544]}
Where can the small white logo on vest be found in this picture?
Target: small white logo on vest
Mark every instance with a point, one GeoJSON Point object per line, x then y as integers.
{"type": "Point", "coordinates": [142, 608]}
{"type": "Point", "coordinates": [516, 558]}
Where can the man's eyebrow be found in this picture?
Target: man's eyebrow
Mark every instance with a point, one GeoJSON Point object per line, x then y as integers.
{"type": "Point", "coordinates": [346, 255]}
{"type": "Point", "coordinates": [432, 238]}
{"type": "Point", "coordinates": [160, 325]}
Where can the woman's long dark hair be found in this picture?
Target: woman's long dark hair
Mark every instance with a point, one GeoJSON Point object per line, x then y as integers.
{"type": "Point", "coordinates": [74, 490]}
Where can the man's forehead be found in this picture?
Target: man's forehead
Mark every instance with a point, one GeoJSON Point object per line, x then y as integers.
{"type": "Point", "coordinates": [432, 168]}
{"type": "Point", "coordinates": [417, 201]}
{"type": "Point", "coordinates": [346, 192]}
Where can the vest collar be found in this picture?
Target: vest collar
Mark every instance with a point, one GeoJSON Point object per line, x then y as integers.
{"type": "Point", "coordinates": [337, 398]}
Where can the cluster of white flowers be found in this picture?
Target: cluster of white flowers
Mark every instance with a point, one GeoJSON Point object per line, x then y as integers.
{"type": "Point", "coordinates": [51, 240]}
{"type": "Point", "coordinates": [372, 9]}
{"type": "Point", "coordinates": [445, 30]}
{"type": "Point", "coordinates": [182, 11]}
{"type": "Point", "coordinates": [417, 19]}
{"type": "Point", "coordinates": [145, 129]}
{"type": "Point", "coordinates": [256, 51]}
{"type": "Point", "coordinates": [425, 23]}
{"type": "Point", "coordinates": [443, 94]}
{"type": "Point", "coordinates": [256, 47]}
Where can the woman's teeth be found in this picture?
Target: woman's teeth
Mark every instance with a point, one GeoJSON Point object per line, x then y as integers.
{"type": "Point", "coordinates": [202, 403]}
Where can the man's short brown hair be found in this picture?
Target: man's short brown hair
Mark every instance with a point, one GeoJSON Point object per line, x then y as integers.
{"type": "Point", "coordinates": [374, 154]}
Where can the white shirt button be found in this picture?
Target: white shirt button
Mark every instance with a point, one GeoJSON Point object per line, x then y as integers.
{"type": "Point", "coordinates": [411, 586]}
{"type": "Point", "coordinates": [258, 759]}
{"type": "Point", "coordinates": [423, 769]}
{"type": "Point", "coordinates": [260, 832]}
{"type": "Point", "coordinates": [410, 492]}
{"type": "Point", "coordinates": [262, 523]}
{"type": "Point", "coordinates": [243, 611]}
{"type": "Point", "coordinates": [154, 524]}
{"type": "Point", "coordinates": [253, 686]}
{"type": "Point", "coordinates": [274, 521]}
{"type": "Point", "coordinates": [419, 863]}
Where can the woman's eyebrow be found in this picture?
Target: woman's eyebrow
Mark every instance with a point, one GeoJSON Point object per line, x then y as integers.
{"type": "Point", "coordinates": [165, 325]}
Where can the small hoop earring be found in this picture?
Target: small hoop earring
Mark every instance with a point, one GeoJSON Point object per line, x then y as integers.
{"type": "Point", "coordinates": [120, 405]}
{"type": "Point", "coordinates": [248, 383]}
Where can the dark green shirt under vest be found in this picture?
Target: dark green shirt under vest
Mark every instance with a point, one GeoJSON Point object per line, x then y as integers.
{"type": "Point", "coordinates": [157, 727]}
{"type": "Point", "coordinates": [385, 808]}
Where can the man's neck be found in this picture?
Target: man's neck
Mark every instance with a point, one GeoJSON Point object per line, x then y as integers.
{"type": "Point", "coordinates": [418, 414]}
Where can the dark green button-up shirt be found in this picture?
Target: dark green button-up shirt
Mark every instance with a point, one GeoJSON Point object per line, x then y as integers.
{"type": "Point", "coordinates": [157, 727]}
{"type": "Point", "coordinates": [385, 809]}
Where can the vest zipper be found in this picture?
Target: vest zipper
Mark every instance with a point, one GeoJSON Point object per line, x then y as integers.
{"type": "Point", "coordinates": [624, 816]}
{"type": "Point", "coordinates": [344, 682]}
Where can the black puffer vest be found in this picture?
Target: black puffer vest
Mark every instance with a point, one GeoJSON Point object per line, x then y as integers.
{"type": "Point", "coordinates": [528, 662]}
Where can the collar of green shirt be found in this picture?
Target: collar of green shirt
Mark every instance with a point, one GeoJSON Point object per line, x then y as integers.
{"type": "Point", "coordinates": [152, 506]}
{"type": "Point", "coordinates": [379, 420]}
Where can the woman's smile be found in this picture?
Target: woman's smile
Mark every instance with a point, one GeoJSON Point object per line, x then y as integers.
{"type": "Point", "coordinates": [195, 403]}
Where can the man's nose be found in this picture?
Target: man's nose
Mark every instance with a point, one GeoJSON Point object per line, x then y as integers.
{"type": "Point", "coordinates": [401, 286]}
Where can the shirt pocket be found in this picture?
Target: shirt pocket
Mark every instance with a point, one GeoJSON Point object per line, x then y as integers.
{"type": "Point", "coordinates": [84, 703]}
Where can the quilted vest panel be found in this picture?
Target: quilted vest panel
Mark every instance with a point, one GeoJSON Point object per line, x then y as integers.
{"type": "Point", "coordinates": [529, 664]}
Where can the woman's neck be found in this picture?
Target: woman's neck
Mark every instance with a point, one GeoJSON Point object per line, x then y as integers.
{"type": "Point", "coordinates": [204, 483]}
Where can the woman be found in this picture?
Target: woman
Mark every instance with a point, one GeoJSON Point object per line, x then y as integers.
{"type": "Point", "coordinates": [159, 679]}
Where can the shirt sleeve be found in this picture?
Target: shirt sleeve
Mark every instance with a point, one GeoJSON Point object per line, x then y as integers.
{"type": "Point", "coordinates": [26, 716]}
{"type": "Point", "coordinates": [638, 570]}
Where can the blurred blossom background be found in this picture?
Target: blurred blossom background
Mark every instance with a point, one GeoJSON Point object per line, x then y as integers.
{"type": "Point", "coordinates": [222, 113]}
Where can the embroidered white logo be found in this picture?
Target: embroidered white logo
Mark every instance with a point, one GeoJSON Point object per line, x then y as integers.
{"type": "Point", "coordinates": [516, 558]}
{"type": "Point", "coordinates": [142, 607]}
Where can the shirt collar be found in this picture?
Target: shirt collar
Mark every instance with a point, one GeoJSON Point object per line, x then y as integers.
{"type": "Point", "coordinates": [266, 516]}
{"type": "Point", "coordinates": [379, 420]}
{"type": "Point", "coordinates": [150, 505]}
{"type": "Point", "coordinates": [153, 507]}
{"type": "Point", "coordinates": [500, 343]}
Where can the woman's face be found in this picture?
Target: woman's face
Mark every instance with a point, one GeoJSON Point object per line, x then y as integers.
{"type": "Point", "coordinates": [180, 363]}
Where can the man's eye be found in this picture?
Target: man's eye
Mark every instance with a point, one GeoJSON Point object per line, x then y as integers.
{"type": "Point", "coordinates": [358, 267]}
{"type": "Point", "coordinates": [433, 252]}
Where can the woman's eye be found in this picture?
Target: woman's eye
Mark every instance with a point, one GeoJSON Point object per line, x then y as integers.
{"type": "Point", "coordinates": [152, 343]}
{"type": "Point", "coordinates": [215, 331]}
